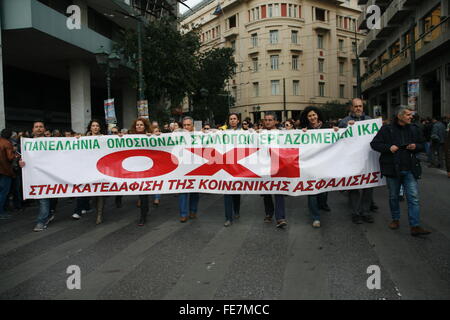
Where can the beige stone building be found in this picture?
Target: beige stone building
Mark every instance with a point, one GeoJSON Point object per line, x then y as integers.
{"type": "Point", "coordinates": [290, 53]}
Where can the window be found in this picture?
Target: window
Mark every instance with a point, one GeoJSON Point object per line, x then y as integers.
{"type": "Point", "coordinates": [354, 70]}
{"type": "Point", "coordinates": [232, 22]}
{"type": "Point", "coordinates": [275, 85]}
{"type": "Point", "coordinates": [276, 10]}
{"type": "Point", "coordinates": [274, 62]}
{"type": "Point", "coordinates": [254, 40]}
{"type": "Point", "coordinates": [294, 36]}
{"type": "Point", "coordinates": [320, 14]}
{"type": "Point", "coordinates": [256, 89]}
{"type": "Point", "coordinates": [255, 64]}
{"type": "Point", "coordinates": [270, 14]}
{"type": "Point", "coordinates": [321, 63]}
{"type": "Point", "coordinates": [341, 91]}
{"type": "Point", "coordinates": [341, 45]}
{"type": "Point", "coordinates": [319, 41]}
{"type": "Point", "coordinates": [290, 13]}
{"type": "Point", "coordinates": [341, 68]}
{"type": "Point", "coordinates": [294, 62]}
{"type": "Point", "coordinates": [273, 36]}
{"type": "Point", "coordinates": [233, 45]}
{"type": "Point", "coordinates": [321, 89]}
{"type": "Point", "coordinates": [354, 47]}
{"type": "Point", "coordinates": [296, 87]}
{"type": "Point", "coordinates": [355, 91]}
{"type": "Point", "coordinates": [234, 92]}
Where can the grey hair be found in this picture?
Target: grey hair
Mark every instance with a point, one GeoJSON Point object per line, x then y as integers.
{"type": "Point", "coordinates": [188, 118]}
{"type": "Point", "coordinates": [400, 110]}
{"type": "Point", "coordinates": [273, 114]}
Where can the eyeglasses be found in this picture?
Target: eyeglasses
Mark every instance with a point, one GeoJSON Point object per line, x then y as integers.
{"type": "Point", "coordinates": [207, 128]}
{"type": "Point", "coordinates": [287, 124]}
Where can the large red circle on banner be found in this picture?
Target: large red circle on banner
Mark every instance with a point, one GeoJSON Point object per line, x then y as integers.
{"type": "Point", "coordinates": [112, 164]}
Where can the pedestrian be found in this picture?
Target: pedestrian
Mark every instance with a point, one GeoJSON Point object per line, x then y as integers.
{"type": "Point", "coordinates": [188, 202]}
{"type": "Point", "coordinates": [44, 216]}
{"type": "Point", "coordinates": [310, 119]}
{"type": "Point", "coordinates": [399, 143]}
{"type": "Point", "coordinates": [156, 197]}
{"type": "Point", "coordinates": [360, 200]}
{"type": "Point", "coordinates": [94, 128]}
{"type": "Point", "coordinates": [6, 169]}
{"type": "Point", "coordinates": [117, 199]}
{"type": "Point", "coordinates": [142, 126]}
{"type": "Point", "coordinates": [270, 122]}
{"type": "Point", "coordinates": [289, 124]}
{"type": "Point", "coordinates": [232, 202]}
{"type": "Point", "coordinates": [447, 150]}
{"type": "Point", "coordinates": [438, 136]}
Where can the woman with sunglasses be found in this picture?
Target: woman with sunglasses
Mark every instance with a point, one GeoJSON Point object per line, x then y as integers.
{"type": "Point", "coordinates": [289, 124]}
{"type": "Point", "coordinates": [312, 119]}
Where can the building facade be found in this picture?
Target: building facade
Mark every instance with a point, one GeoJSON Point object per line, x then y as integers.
{"type": "Point", "coordinates": [290, 53]}
{"type": "Point", "coordinates": [393, 58]}
{"type": "Point", "coordinates": [49, 68]}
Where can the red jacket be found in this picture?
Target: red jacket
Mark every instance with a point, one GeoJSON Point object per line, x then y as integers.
{"type": "Point", "coordinates": [6, 158]}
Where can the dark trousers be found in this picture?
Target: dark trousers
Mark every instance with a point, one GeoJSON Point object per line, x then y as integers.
{"type": "Point", "coordinates": [82, 204]}
{"type": "Point", "coordinates": [144, 204]}
{"type": "Point", "coordinates": [315, 203]}
{"type": "Point", "coordinates": [438, 154]}
{"type": "Point", "coordinates": [360, 201]}
{"type": "Point", "coordinates": [279, 208]}
{"type": "Point", "coordinates": [232, 204]}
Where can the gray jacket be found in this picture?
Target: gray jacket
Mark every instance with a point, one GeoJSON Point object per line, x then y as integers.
{"type": "Point", "coordinates": [438, 132]}
{"type": "Point", "coordinates": [343, 123]}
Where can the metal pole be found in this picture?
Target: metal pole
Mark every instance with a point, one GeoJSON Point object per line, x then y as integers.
{"type": "Point", "coordinates": [140, 72]}
{"type": "Point", "coordinates": [413, 49]}
{"type": "Point", "coordinates": [358, 71]}
{"type": "Point", "coordinates": [284, 98]}
{"type": "Point", "coordinates": [108, 81]}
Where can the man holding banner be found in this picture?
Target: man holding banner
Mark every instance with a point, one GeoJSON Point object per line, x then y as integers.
{"type": "Point", "coordinates": [188, 203]}
{"type": "Point", "coordinates": [360, 201]}
{"type": "Point", "coordinates": [270, 120]}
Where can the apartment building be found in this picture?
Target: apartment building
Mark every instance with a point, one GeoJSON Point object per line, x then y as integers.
{"type": "Point", "coordinates": [290, 53]}
{"type": "Point", "coordinates": [412, 43]}
{"type": "Point", "coordinates": [50, 71]}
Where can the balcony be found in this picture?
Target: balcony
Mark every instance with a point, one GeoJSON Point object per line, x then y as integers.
{"type": "Point", "coordinates": [295, 47]}
{"type": "Point", "coordinates": [322, 26]}
{"type": "Point", "coordinates": [274, 46]}
{"type": "Point", "coordinates": [232, 32]}
{"type": "Point", "coordinates": [342, 54]}
{"type": "Point", "coordinates": [253, 50]}
{"type": "Point", "coordinates": [397, 12]}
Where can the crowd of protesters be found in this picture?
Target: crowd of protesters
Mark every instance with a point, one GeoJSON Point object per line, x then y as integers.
{"type": "Point", "coordinates": [398, 142]}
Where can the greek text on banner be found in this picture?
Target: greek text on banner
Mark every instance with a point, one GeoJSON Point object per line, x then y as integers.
{"type": "Point", "coordinates": [290, 162]}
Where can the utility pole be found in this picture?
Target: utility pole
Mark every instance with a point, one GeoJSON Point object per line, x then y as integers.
{"type": "Point", "coordinates": [140, 69]}
{"type": "Point", "coordinates": [412, 41]}
{"type": "Point", "coordinates": [358, 69]}
{"type": "Point", "coordinates": [284, 98]}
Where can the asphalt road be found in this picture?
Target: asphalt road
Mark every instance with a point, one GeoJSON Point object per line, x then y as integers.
{"type": "Point", "coordinates": [201, 259]}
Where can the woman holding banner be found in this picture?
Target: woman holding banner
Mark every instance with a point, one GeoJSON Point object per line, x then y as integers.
{"type": "Point", "coordinates": [141, 126]}
{"type": "Point", "coordinates": [232, 202]}
{"type": "Point", "coordinates": [310, 119]}
{"type": "Point", "coordinates": [95, 129]}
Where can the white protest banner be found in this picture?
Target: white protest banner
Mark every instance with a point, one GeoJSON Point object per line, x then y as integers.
{"type": "Point", "coordinates": [290, 162]}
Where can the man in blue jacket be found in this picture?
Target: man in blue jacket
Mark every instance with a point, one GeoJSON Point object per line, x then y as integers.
{"type": "Point", "coordinates": [398, 144]}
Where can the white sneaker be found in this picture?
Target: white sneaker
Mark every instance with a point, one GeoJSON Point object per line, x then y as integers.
{"type": "Point", "coordinates": [76, 216]}
{"type": "Point", "coordinates": [316, 224]}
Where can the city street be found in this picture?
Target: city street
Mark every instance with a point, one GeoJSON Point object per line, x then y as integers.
{"type": "Point", "coordinates": [201, 259]}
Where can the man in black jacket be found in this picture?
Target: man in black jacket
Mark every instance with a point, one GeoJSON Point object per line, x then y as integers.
{"type": "Point", "coordinates": [398, 144]}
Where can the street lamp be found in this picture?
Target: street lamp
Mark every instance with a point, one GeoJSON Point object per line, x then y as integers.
{"type": "Point", "coordinates": [109, 63]}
